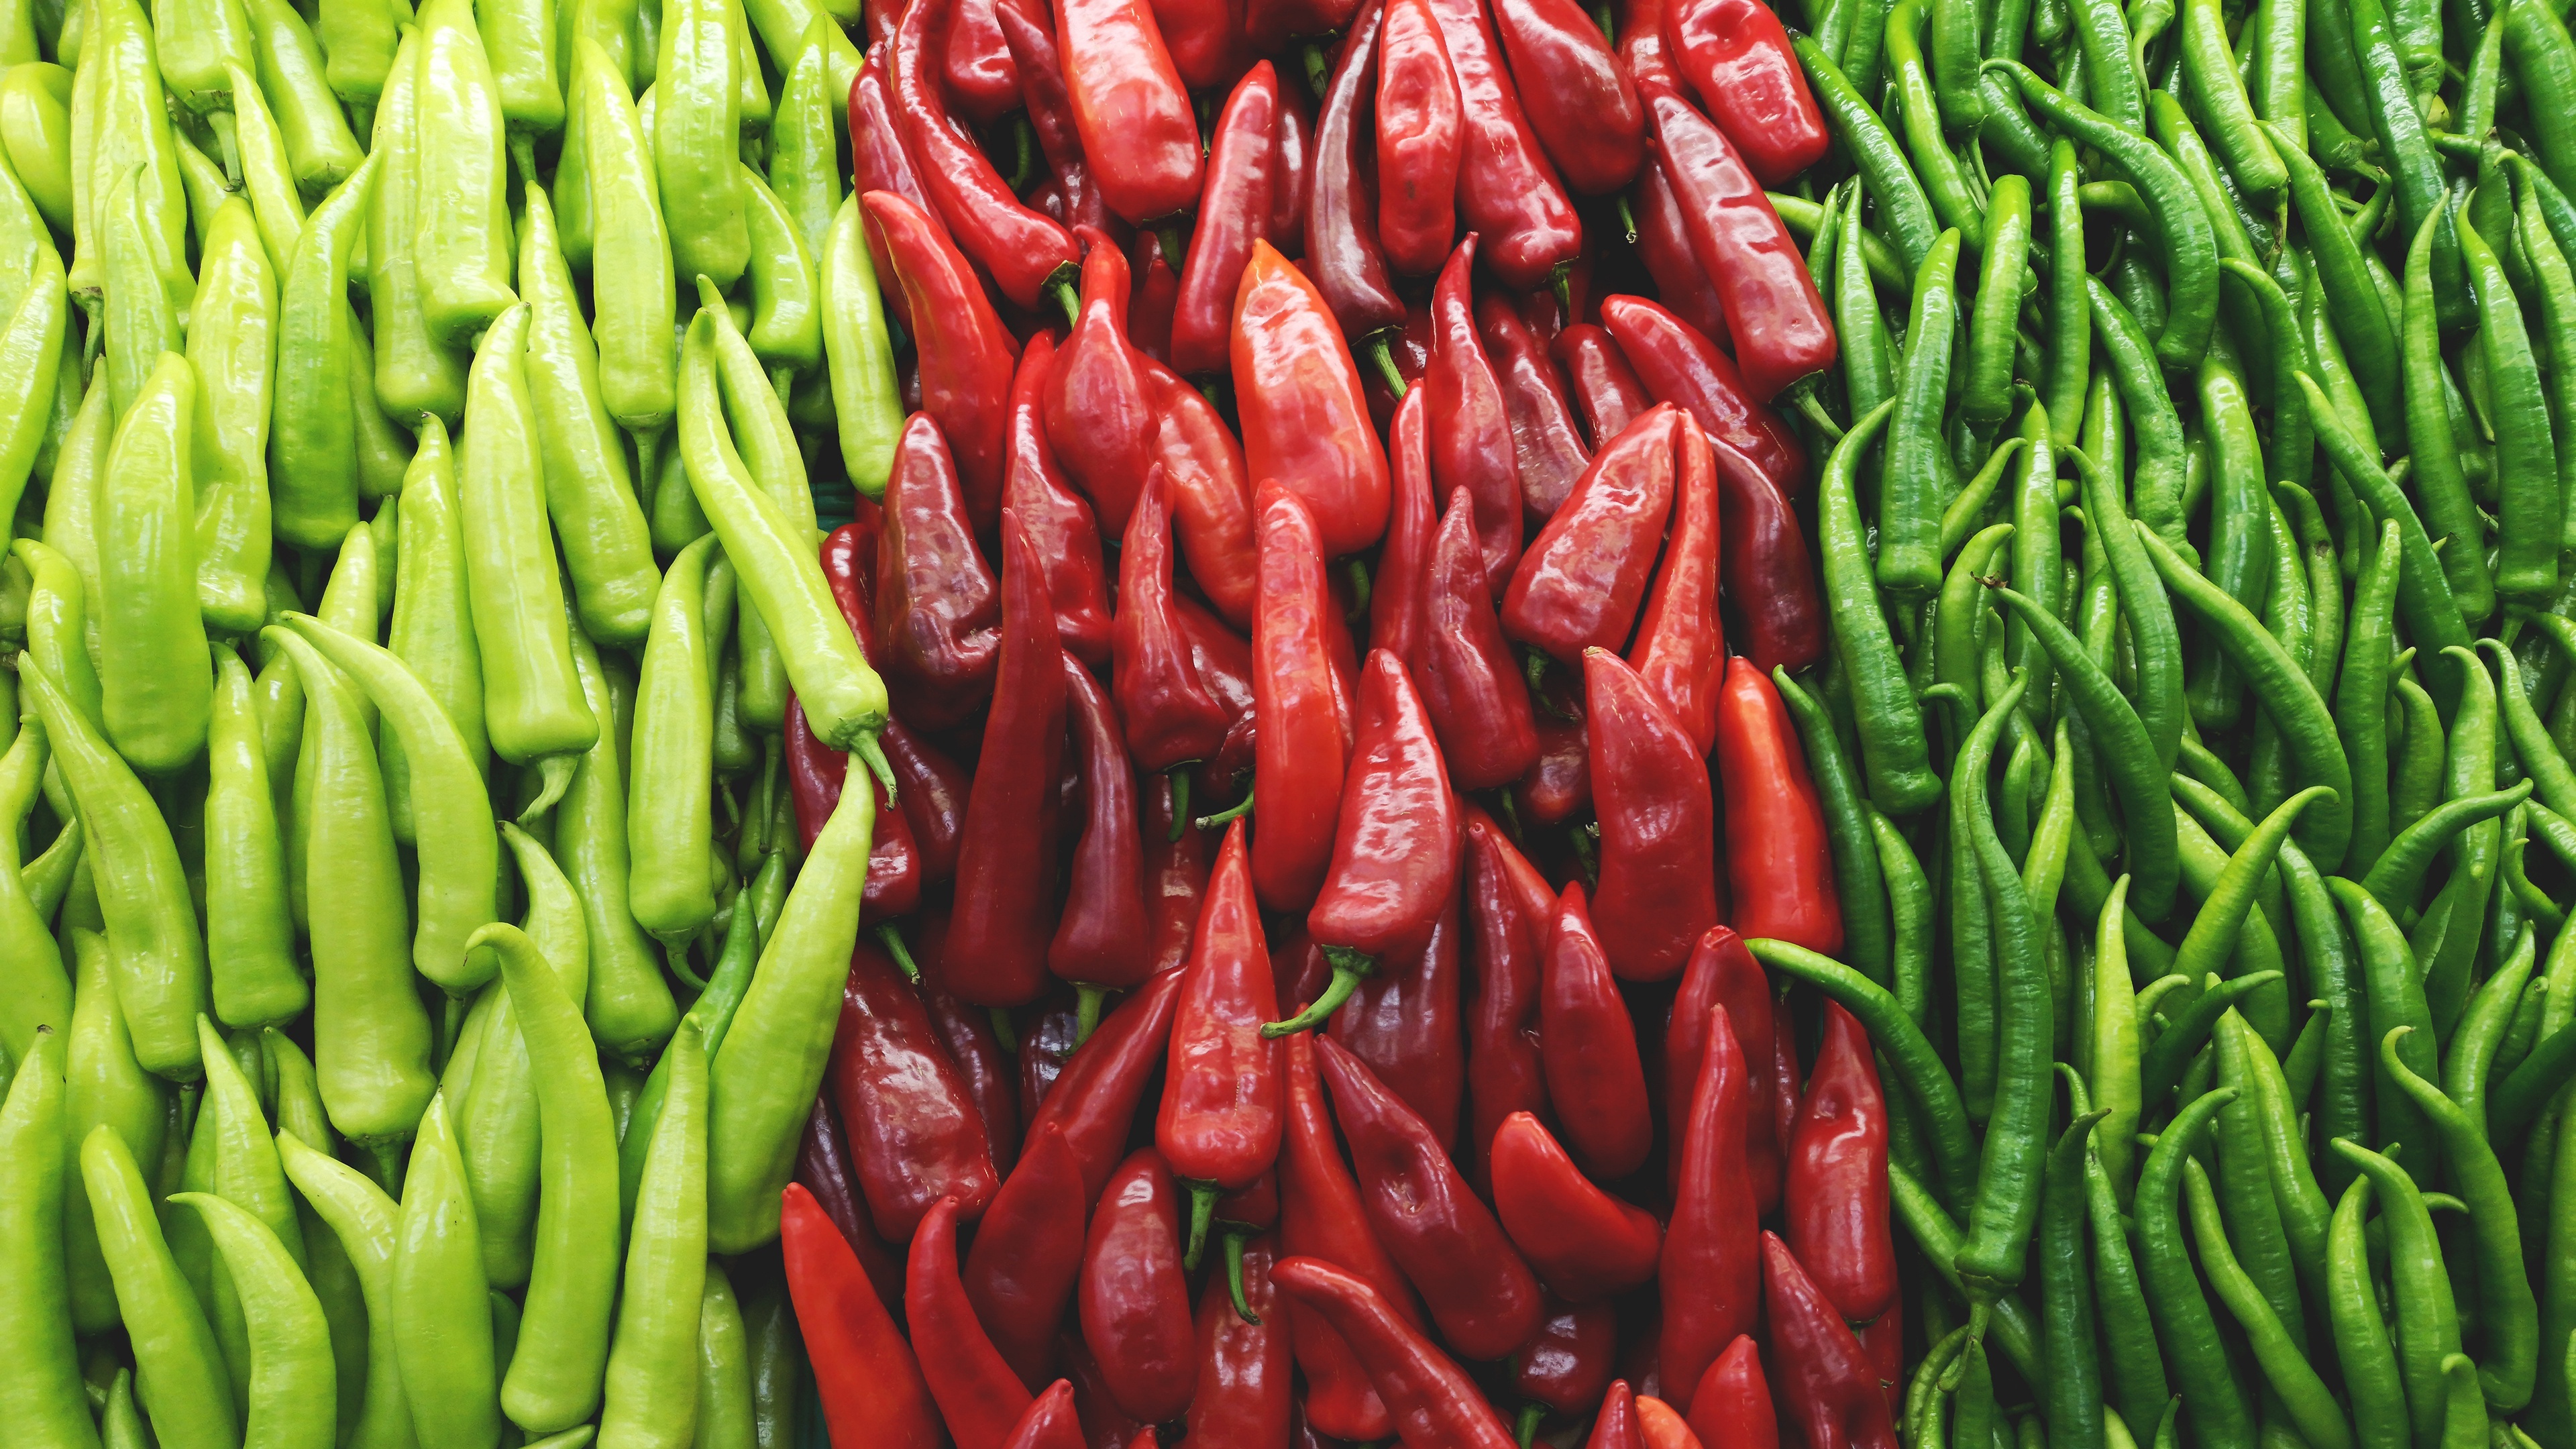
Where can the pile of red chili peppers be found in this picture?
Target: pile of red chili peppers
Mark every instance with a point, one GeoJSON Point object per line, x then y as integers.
{"type": "Point", "coordinates": [1308, 1000]}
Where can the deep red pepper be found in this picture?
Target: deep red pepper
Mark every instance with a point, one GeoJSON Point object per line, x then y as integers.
{"type": "Point", "coordinates": [815, 774]}
{"type": "Point", "coordinates": [1158, 292]}
{"type": "Point", "coordinates": [981, 1064]}
{"type": "Point", "coordinates": [1024, 251]}
{"type": "Point", "coordinates": [1243, 162]}
{"type": "Point", "coordinates": [1506, 188]}
{"type": "Point", "coordinates": [1006, 862]}
{"type": "Point", "coordinates": [1342, 252]}
{"type": "Point", "coordinates": [915, 1136]}
{"type": "Point", "coordinates": [1020, 1273]}
{"type": "Point", "coordinates": [976, 65]}
{"type": "Point", "coordinates": [1736, 55]}
{"type": "Point", "coordinates": [1588, 1047]}
{"type": "Point", "coordinates": [1429, 1399]}
{"type": "Point", "coordinates": [1058, 521]}
{"type": "Point", "coordinates": [1836, 1191]}
{"type": "Point", "coordinates": [1711, 1269]}
{"type": "Point", "coordinates": [1661, 1426]}
{"type": "Point", "coordinates": [1578, 96]}
{"type": "Point", "coordinates": [1768, 573]}
{"type": "Point", "coordinates": [1104, 1424]}
{"type": "Point", "coordinates": [1827, 1383]}
{"type": "Point", "coordinates": [1224, 658]}
{"type": "Point", "coordinates": [1292, 170]}
{"type": "Point", "coordinates": [1176, 874]}
{"type": "Point", "coordinates": [1884, 1341]}
{"type": "Point", "coordinates": [1586, 573]}
{"type": "Point", "coordinates": [1206, 40]}
{"type": "Point", "coordinates": [1471, 425]}
{"type": "Point", "coordinates": [1482, 1296]}
{"type": "Point", "coordinates": [1723, 973]}
{"type": "Point", "coordinates": [1567, 1367]}
{"type": "Point", "coordinates": [1045, 1046]}
{"type": "Point", "coordinates": [1638, 1347]}
{"type": "Point", "coordinates": [1134, 1297]}
{"type": "Point", "coordinates": [1584, 1244]}
{"type": "Point", "coordinates": [1679, 365]}
{"type": "Point", "coordinates": [1559, 787]}
{"type": "Point", "coordinates": [1321, 1218]}
{"type": "Point", "coordinates": [931, 787]}
{"type": "Point", "coordinates": [823, 1171]}
{"type": "Point", "coordinates": [1305, 423]}
{"type": "Point", "coordinates": [1396, 592]}
{"type": "Point", "coordinates": [1781, 876]}
{"type": "Point", "coordinates": [1403, 1022]}
{"type": "Point", "coordinates": [1732, 1404]}
{"type": "Point", "coordinates": [1272, 23]}
{"type": "Point", "coordinates": [1221, 1116]}
{"type": "Point", "coordinates": [1169, 713]}
{"type": "Point", "coordinates": [1130, 105]}
{"type": "Point", "coordinates": [1244, 1367]}
{"type": "Point", "coordinates": [1664, 247]}
{"type": "Point", "coordinates": [1659, 875]}
{"type": "Point", "coordinates": [1471, 686]}
{"type": "Point", "coordinates": [1545, 443]}
{"type": "Point", "coordinates": [1604, 387]}
{"type": "Point", "coordinates": [965, 356]}
{"type": "Point", "coordinates": [1076, 191]}
{"type": "Point", "coordinates": [1616, 1428]}
{"type": "Point", "coordinates": [1681, 641]}
{"type": "Point", "coordinates": [865, 1373]}
{"type": "Point", "coordinates": [1420, 136]}
{"type": "Point", "coordinates": [938, 609]}
{"type": "Point", "coordinates": [1508, 906]}
{"type": "Point", "coordinates": [879, 162]}
{"type": "Point", "coordinates": [1097, 414]}
{"type": "Point", "coordinates": [1304, 733]}
{"type": "Point", "coordinates": [1101, 942]}
{"type": "Point", "coordinates": [1211, 494]}
{"type": "Point", "coordinates": [1051, 1422]}
{"type": "Point", "coordinates": [1095, 1100]}
{"type": "Point", "coordinates": [978, 1394]}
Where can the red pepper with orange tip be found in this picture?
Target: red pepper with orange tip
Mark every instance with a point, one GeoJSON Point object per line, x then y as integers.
{"type": "Point", "coordinates": [1778, 322]}
{"type": "Point", "coordinates": [1169, 713]}
{"type": "Point", "coordinates": [978, 1394]}
{"type": "Point", "coordinates": [1101, 940]}
{"type": "Point", "coordinates": [1659, 886]}
{"type": "Point", "coordinates": [1320, 1218]}
{"type": "Point", "coordinates": [1244, 1367]}
{"type": "Point", "coordinates": [1396, 592]}
{"type": "Point", "coordinates": [1006, 862]}
{"type": "Point", "coordinates": [1420, 133]}
{"type": "Point", "coordinates": [1304, 725]}
{"type": "Point", "coordinates": [1661, 1426]}
{"type": "Point", "coordinates": [1711, 1269]}
{"type": "Point", "coordinates": [976, 64]}
{"type": "Point", "coordinates": [1605, 389]}
{"type": "Point", "coordinates": [1679, 365]}
{"type": "Point", "coordinates": [1243, 161]}
{"type": "Point", "coordinates": [815, 775]}
{"type": "Point", "coordinates": [1509, 908]}
{"type": "Point", "coordinates": [1134, 1297]}
{"type": "Point", "coordinates": [1470, 684]}
{"type": "Point", "coordinates": [1403, 1022]}
{"type": "Point", "coordinates": [1588, 1047]}
{"type": "Point", "coordinates": [1176, 876]}
{"type": "Point", "coordinates": [1776, 859]}
{"type": "Point", "coordinates": [1681, 641]}
{"type": "Point", "coordinates": [1211, 494]}
{"type": "Point", "coordinates": [1483, 1298]}
{"type": "Point", "coordinates": [1471, 426]}
{"type": "Point", "coordinates": [823, 1171]}
{"type": "Point", "coordinates": [865, 1373]}
{"type": "Point", "coordinates": [1025, 252]}
{"type": "Point", "coordinates": [1736, 55]}
{"type": "Point", "coordinates": [1549, 450]}
{"type": "Point", "coordinates": [1579, 97]}
{"type": "Point", "coordinates": [1059, 523]}
{"type": "Point", "coordinates": [1020, 1273]}
{"type": "Point", "coordinates": [1506, 188]}
{"type": "Point", "coordinates": [1836, 1192]}
{"type": "Point", "coordinates": [879, 162]}
{"type": "Point", "coordinates": [1221, 1116]}
{"type": "Point", "coordinates": [938, 609]}
{"type": "Point", "coordinates": [1826, 1381]}
{"type": "Point", "coordinates": [1723, 973]}
{"type": "Point", "coordinates": [1766, 568]}
{"type": "Point", "coordinates": [1305, 423]}
{"type": "Point", "coordinates": [1430, 1399]}
{"type": "Point", "coordinates": [1567, 1367]}
{"type": "Point", "coordinates": [1584, 576]}
{"type": "Point", "coordinates": [931, 787]}
{"type": "Point", "coordinates": [1732, 1405]}
{"type": "Point", "coordinates": [1342, 252]}
{"type": "Point", "coordinates": [1050, 1422]}
{"type": "Point", "coordinates": [1097, 414]}
{"type": "Point", "coordinates": [964, 355]}
{"type": "Point", "coordinates": [1584, 1244]}
{"type": "Point", "coordinates": [1095, 1099]}
{"type": "Point", "coordinates": [1131, 108]}
{"type": "Point", "coordinates": [915, 1136]}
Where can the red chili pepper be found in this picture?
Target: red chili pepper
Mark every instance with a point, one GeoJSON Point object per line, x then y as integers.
{"type": "Point", "coordinates": [1549, 451]}
{"type": "Point", "coordinates": [1420, 136]}
{"type": "Point", "coordinates": [1044, 1049]}
{"type": "Point", "coordinates": [1025, 252]}
{"type": "Point", "coordinates": [1640, 34]}
{"type": "Point", "coordinates": [964, 354]}
{"type": "Point", "coordinates": [1768, 572]}
{"type": "Point", "coordinates": [1342, 252]}
{"type": "Point", "coordinates": [1583, 578]}
{"type": "Point", "coordinates": [1567, 1367]}
{"type": "Point", "coordinates": [1176, 876]}
{"type": "Point", "coordinates": [1506, 188]}
{"type": "Point", "coordinates": [1508, 909]}
{"type": "Point", "coordinates": [1211, 494]}
{"type": "Point", "coordinates": [865, 1372]}
{"type": "Point", "coordinates": [879, 162]}
{"type": "Point", "coordinates": [915, 1134]}
{"type": "Point", "coordinates": [1559, 787]}
{"type": "Point", "coordinates": [1095, 1100]}
{"type": "Point", "coordinates": [1679, 365]}
{"type": "Point", "coordinates": [1157, 294]}
{"type": "Point", "coordinates": [1471, 686]}
{"type": "Point", "coordinates": [1584, 1244]}
{"type": "Point", "coordinates": [1661, 1426]}
{"type": "Point", "coordinates": [1305, 423]}
{"type": "Point", "coordinates": [1711, 1269]}
{"type": "Point", "coordinates": [1220, 1121]}
{"type": "Point", "coordinates": [1206, 41]}
{"type": "Point", "coordinates": [1134, 1296]}
{"type": "Point", "coordinates": [1243, 162]}
{"type": "Point", "coordinates": [1403, 1023]}
{"type": "Point", "coordinates": [1681, 641]}
{"type": "Point", "coordinates": [823, 1172]}
{"type": "Point", "coordinates": [1659, 875]}
{"type": "Point", "coordinates": [1320, 1218]}
{"type": "Point", "coordinates": [986, 1069]}
{"type": "Point", "coordinates": [976, 64]}
{"type": "Point", "coordinates": [1605, 388]}
{"type": "Point", "coordinates": [1579, 98]}
{"type": "Point", "coordinates": [1097, 414]}
{"type": "Point", "coordinates": [978, 1394]}
{"type": "Point", "coordinates": [1272, 23]}
{"type": "Point", "coordinates": [1776, 860]}
{"type": "Point", "coordinates": [1292, 171]}
{"type": "Point", "coordinates": [1021, 1271]}
{"type": "Point", "coordinates": [1430, 1400]}
{"type": "Point", "coordinates": [1736, 55]}
{"type": "Point", "coordinates": [1130, 105]}
{"type": "Point", "coordinates": [1059, 523]}
{"type": "Point", "coordinates": [1104, 1424]}
{"type": "Point", "coordinates": [1244, 1366]}
{"type": "Point", "coordinates": [1102, 940]}
{"type": "Point", "coordinates": [932, 788]}
{"type": "Point", "coordinates": [1884, 1341]}
{"type": "Point", "coordinates": [938, 609]}
{"type": "Point", "coordinates": [1588, 1046]}
{"type": "Point", "coordinates": [1304, 732]}
{"type": "Point", "coordinates": [1616, 1428]}
{"type": "Point", "coordinates": [1078, 202]}
{"type": "Point", "coordinates": [1471, 426]}
{"type": "Point", "coordinates": [1006, 862]}
{"type": "Point", "coordinates": [1664, 247]}
{"type": "Point", "coordinates": [1723, 973]}
{"type": "Point", "coordinates": [1224, 659]}
{"type": "Point", "coordinates": [1732, 1405]}
{"type": "Point", "coordinates": [1481, 1295]}
{"type": "Point", "coordinates": [1826, 1381]}
{"type": "Point", "coordinates": [815, 774]}
{"type": "Point", "coordinates": [1836, 1191]}
{"type": "Point", "coordinates": [1396, 593]}
{"type": "Point", "coordinates": [1169, 713]}
{"type": "Point", "coordinates": [1050, 1422]}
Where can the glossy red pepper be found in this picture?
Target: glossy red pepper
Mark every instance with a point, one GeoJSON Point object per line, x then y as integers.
{"type": "Point", "coordinates": [1681, 642]}
{"type": "Point", "coordinates": [1059, 523]}
{"type": "Point", "coordinates": [1884, 1341]}
{"type": "Point", "coordinates": [815, 774]}
{"type": "Point", "coordinates": [1097, 414]}
{"type": "Point", "coordinates": [1508, 910]}
{"type": "Point", "coordinates": [1077, 201]}
{"type": "Point", "coordinates": [1403, 1021]}
{"type": "Point", "coordinates": [1711, 1269]}
{"type": "Point", "coordinates": [1588, 1047]}
{"type": "Point", "coordinates": [1025, 252]}
{"type": "Point", "coordinates": [1342, 251]}
{"type": "Point", "coordinates": [1020, 1273]}
{"type": "Point", "coordinates": [879, 162]}
{"type": "Point", "coordinates": [1736, 55]}
{"type": "Point", "coordinates": [1102, 938]}
{"type": "Point", "coordinates": [1211, 494]}
{"type": "Point", "coordinates": [978, 1394]}
{"type": "Point", "coordinates": [938, 609]}
{"type": "Point", "coordinates": [1104, 1424]}
{"type": "Point", "coordinates": [1420, 140]}
{"type": "Point", "coordinates": [1321, 1219]}
{"type": "Point", "coordinates": [1732, 1405]}
{"type": "Point", "coordinates": [1545, 443]}
{"type": "Point", "coordinates": [1396, 591]}
{"type": "Point", "coordinates": [1567, 1367]}
{"type": "Point", "coordinates": [931, 787]}
{"type": "Point", "coordinates": [1206, 40]}
{"type": "Point", "coordinates": [1292, 170]}
{"type": "Point", "coordinates": [1604, 388]}
{"type": "Point", "coordinates": [1768, 574]}
{"type": "Point", "coordinates": [823, 1172]}
{"type": "Point", "coordinates": [1781, 876]}
{"type": "Point", "coordinates": [1559, 787]}
{"type": "Point", "coordinates": [1045, 1047]}
{"type": "Point", "coordinates": [1224, 658]}
{"type": "Point", "coordinates": [981, 76]}
{"type": "Point", "coordinates": [1222, 1115]}
{"type": "Point", "coordinates": [1176, 875]}
{"type": "Point", "coordinates": [1584, 1244]}
{"type": "Point", "coordinates": [915, 1136]}
{"type": "Point", "coordinates": [1095, 1100]}
{"type": "Point", "coordinates": [1134, 1297]}
{"type": "Point", "coordinates": [1244, 1367]}
{"type": "Point", "coordinates": [1471, 425]}
{"type": "Point", "coordinates": [1836, 1191]}
{"type": "Point", "coordinates": [1429, 1399]}
{"type": "Point", "coordinates": [1243, 164]}
{"type": "Point", "coordinates": [1051, 1422]}
{"type": "Point", "coordinates": [1506, 189]}
{"type": "Point", "coordinates": [1130, 105]}
{"type": "Point", "coordinates": [1471, 686]}
{"type": "Point", "coordinates": [981, 1063]}
{"type": "Point", "coordinates": [1579, 97]}
{"type": "Point", "coordinates": [1305, 423]}
{"type": "Point", "coordinates": [1616, 1428]}
{"type": "Point", "coordinates": [1304, 729]}
{"type": "Point", "coordinates": [1006, 862]}
{"type": "Point", "coordinates": [1157, 294]}
{"type": "Point", "coordinates": [1169, 713]}
{"type": "Point", "coordinates": [1679, 365]}
{"type": "Point", "coordinates": [1659, 875]}
{"type": "Point", "coordinates": [1664, 247]}
{"type": "Point", "coordinates": [1785, 1110]}
{"type": "Point", "coordinates": [964, 355]}
{"type": "Point", "coordinates": [1482, 1296]}
{"type": "Point", "coordinates": [1661, 1426]}
{"type": "Point", "coordinates": [865, 1373]}
{"type": "Point", "coordinates": [1586, 573]}
{"type": "Point", "coordinates": [1723, 973]}
{"type": "Point", "coordinates": [1827, 1384]}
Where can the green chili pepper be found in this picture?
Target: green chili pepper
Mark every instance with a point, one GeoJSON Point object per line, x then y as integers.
{"type": "Point", "coordinates": [104, 1087]}
{"type": "Point", "coordinates": [759, 425]}
{"type": "Point", "coordinates": [786, 326]}
{"type": "Point", "coordinates": [186, 1388]}
{"type": "Point", "coordinates": [129, 129]}
{"type": "Point", "coordinates": [2405, 150]}
{"type": "Point", "coordinates": [2478, 1053]}
{"type": "Point", "coordinates": [441, 1318]}
{"type": "Point", "coordinates": [1894, 751]}
{"type": "Point", "coordinates": [2182, 1317]}
{"type": "Point", "coordinates": [713, 1012]}
{"type": "Point", "coordinates": [416, 370]}
{"type": "Point", "coordinates": [31, 349]}
{"type": "Point", "coordinates": [867, 400]}
{"type": "Point", "coordinates": [43, 1394]}
{"type": "Point", "coordinates": [40, 992]}
{"type": "Point", "coordinates": [313, 442]}
{"type": "Point", "coordinates": [729, 1411]}
{"type": "Point", "coordinates": [670, 824]}
{"type": "Point", "coordinates": [2073, 1403]}
{"type": "Point", "coordinates": [628, 1003]}
{"type": "Point", "coordinates": [295, 81]}
{"type": "Point", "coordinates": [652, 1381]}
{"type": "Point", "coordinates": [292, 1390]}
{"type": "Point", "coordinates": [2010, 1322]}
{"type": "Point", "coordinates": [1909, 514]}
{"type": "Point", "coordinates": [2427, 1322]}
{"type": "Point", "coordinates": [1986, 391]}
{"type": "Point", "coordinates": [432, 628]}
{"type": "Point", "coordinates": [155, 685]}
{"type": "Point", "coordinates": [2398, 875]}
{"type": "Point", "coordinates": [2239, 535]}
{"type": "Point", "coordinates": [2307, 1403]}
{"type": "Point", "coordinates": [461, 228]}
{"type": "Point", "coordinates": [631, 259]}
{"type": "Point", "coordinates": [232, 344]}
{"type": "Point", "coordinates": [1860, 885]}
{"type": "Point", "coordinates": [1882, 165]}
{"type": "Point", "coordinates": [697, 122]}
{"type": "Point", "coordinates": [2544, 62]}
{"type": "Point", "coordinates": [250, 937]}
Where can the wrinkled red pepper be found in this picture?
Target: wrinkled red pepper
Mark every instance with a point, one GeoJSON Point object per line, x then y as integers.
{"type": "Point", "coordinates": [1321, 1219]}
{"type": "Point", "coordinates": [1045, 1047]}
{"type": "Point", "coordinates": [815, 774]}
{"type": "Point", "coordinates": [1471, 426]}
{"type": "Point", "coordinates": [1506, 188]}
{"type": "Point", "coordinates": [1304, 729]}
{"type": "Point", "coordinates": [879, 162]}
{"type": "Point", "coordinates": [1679, 365]}
{"type": "Point", "coordinates": [1176, 875]}
{"type": "Point", "coordinates": [1578, 96]}
{"type": "Point", "coordinates": [931, 787]}
{"type": "Point", "coordinates": [1827, 1383]}
{"type": "Point", "coordinates": [1548, 448]}
{"type": "Point", "coordinates": [1732, 1405]}
{"type": "Point", "coordinates": [1244, 1367]}
{"type": "Point", "coordinates": [981, 1064]}
{"type": "Point", "coordinates": [915, 1136]}
{"type": "Point", "coordinates": [1711, 1269]}
{"type": "Point", "coordinates": [1616, 1428]}
{"type": "Point", "coordinates": [1781, 875]}
{"type": "Point", "coordinates": [1429, 1399]}
{"type": "Point", "coordinates": [1221, 1117]}
{"type": "Point", "coordinates": [964, 355]}
{"type": "Point", "coordinates": [1583, 578]}
{"type": "Point", "coordinates": [1097, 414]}
{"type": "Point", "coordinates": [1243, 161]}
{"type": "Point", "coordinates": [1170, 715]}
{"type": "Point", "coordinates": [1559, 787]}
{"type": "Point", "coordinates": [1605, 388]}
{"type": "Point", "coordinates": [1305, 423]}
{"type": "Point", "coordinates": [1659, 881]}
{"type": "Point", "coordinates": [1471, 686]}
{"type": "Point", "coordinates": [1094, 1101]}
{"type": "Point", "coordinates": [1131, 108]}
{"type": "Point", "coordinates": [1211, 494]}
{"type": "Point", "coordinates": [1101, 941]}
{"type": "Point", "coordinates": [1396, 592]}
{"type": "Point", "coordinates": [1420, 135]}
{"type": "Point", "coordinates": [1723, 973]}
{"type": "Point", "coordinates": [1736, 55]}
{"type": "Point", "coordinates": [938, 609]}
{"type": "Point", "coordinates": [1588, 1047]}
{"type": "Point", "coordinates": [1134, 1297]}
{"type": "Point", "coordinates": [1836, 1191]}
{"type": "Point", "coordinates": [865, 1373]}
{"type": "Point", "coordinates": [1051, 1422]}
{"type": "Point", "coordinates": [1020, 1273]}
{"type": "Point", "coordinates": [1584, 1244]}
{"type": "Point", "coordinates": [1024, 251]}
{"type": "Point", "coordinates": [1508, 908]}
{"type": "Point", "coordinates": [976, 64]}
{"type": "Point", "coordinates": [1768, 572]}
{"type": "Point", "coordinates": [1403, 1022]}
{"type": "Point", "coordinates": [1342, 251]}
{"type": "Point", "coordinates": [1058, 521]}
{"type": "Point", "coordinates": [1681, 641]}
{"type": "Point", "coordinates": [1567, 1367]}
{"type": "Point", "coordinates": [823, 1171]}
{"type": "Point", "coordinates": [978, 1394]}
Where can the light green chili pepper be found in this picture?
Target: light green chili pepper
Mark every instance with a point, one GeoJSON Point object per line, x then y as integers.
{"type": "Point", "coordinates": [42, 1393]}
{"type": "Point", "coordinates": [697, 127]}
{"type": "Point", "coordinates": [631, 257]}
{"type": "Point", "coordinates": [186, 1390]}
{"type": "Point", "coordinates": [250, 938]}
{"type": "Point", "coordinates": [432, 628]}
{"type": "Point", "coordinates": [105, 1087]}
{"type": "Point", "coordinates": [628, 1002]}
{"type": "Point", "coordinates": [441, 1319]}
{"type": "Point", "coordinates": [364, 1225]}
{"type": "Point", "coordinates": [313, 440]}
{"type": "Point", "coordinates": [867, 396]}
{"type": "Point", "coordinates": [669, 821]}
{"type": "Point", "coordinates": [652, 1387]}
{"type": "Point", "coordinates": [786, 324]}
{"type": "Point", "coordinates": [416, 371]}
{"type": "Point", "coordinates": [519, 38]}
{"type": "Point", "coordinates": [293, 80]}
{"type": "Point", "coordinates": [39, 998]}
{"type": "Point", "coordinates": [138, 318]}
{"type": "Point", "coordinates": [232, 345]}
{"type": "Point", "coordinates": [31, 349]}
{"type": "Point", "coordinates": [461, 232]}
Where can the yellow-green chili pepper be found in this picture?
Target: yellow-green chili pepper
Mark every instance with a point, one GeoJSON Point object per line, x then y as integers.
{"type": "Point", "coordinates": [186, 1390]}
{"type": "Point", "coordinates": [383, 450]}
{"type": "Point", "coordinates": [697, 128]}
{"type": "Point", "coordinates": [783, 23]}
{"type": "Point", "coordinates": [155, 685]}
{"type": "Point", "coordinates": [31, 349]}
{"type": "Point", "coordinates": [786, 326]}
{"type": "Point", "coordinates": [23, 232]}
{"type": "Point", "coordinates": [766, 441]}
{"type": "Point", "coordinates": [42, 1393]}
{"type": "Point", "coordinates": [131, 128]}
{"type": "Point", "coordinates": [36, 135]}
{"type": "Point", "coordinates": [268, 173]}
{"type": "Point", "coordinates": [245, 1171]}
{"type": "Point", "coordinates": [628, 1003]}
{"type": "Point", "coordinates": [867, 396]}
{"type": "Point", "coordinates": [292, 80]}
{"type": "Point", "coordinates": [250, 937]}
{"type": "Point", "coordinates": [313, 441]}
{"type": "Point", "coordinates": [461, 230]}
{"type": "Point", "coordinates": [139, 322]}
{"type": "Point", "coordinates": [39, 998]}
{"type": "Point", "coordinates": [652, 1391]}
{"type": "Point", "coordinates": [612, 25]}
{"type": "Point", "coordinates": [232, 345]}
{"type": "Point", "coordinates": [630, 262]}
{"type": "Point", "coordinates": [441, 1318]}
{"type": "Point", "coordinates": [105, 1087]}
{"type": "Point", "coordinates": [519, 37]}
{"type": "Point", "coordinates": [433, 622]}
{"type": "Point", "coordinates": [360, 43]}
{"type": "Point", "coordinates": [416, 371]}
{"type": "Point", "coordinates": [293, 1395]}
{"type": "Point", "coordinates": [198, 44]}
{"type": "Point", "coordinates": [670, 824]}
{"type": "Point", "coordinates": [348, 604]}
{"type": "Point", "coordinates": [364, 1222]}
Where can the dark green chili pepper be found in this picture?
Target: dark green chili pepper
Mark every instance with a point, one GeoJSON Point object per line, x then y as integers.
{"type": "Point", "coordinates": [1894, 750]}
{"type": "Point", "coordinates": [2072, 1400]}
{"type": "Point", "coordinates": [2239, 527]}
{"type": "Point", "coordinates": [1860, 884]}
{"type": "Point", "coordinates": [1919, 119]}
{"type": "Point", "coordinates": [2308, 1404]}
{"type": "Point", "coordinates": [2009, 1320]}
{"type": "Point", "coordinates": [2361, 699]}
{"type": "Point", "coordinates": [2428, 1328]}
{"type": "Point", "coordinates": [1912, 480]}
{"type": "Point", "coordinates": [2183, 1321]}
{"type": "Point", "coordinates": [2476, 1055]}
{"type": "Point", "coordinates": [2508, 1317]}
{"type": "Point", "coordinates": [2395, 993]}
{"type": "Point", "coordinates": [1986, 391]}
{"type": "Point", "coordinates": [2406, 151]}
{"type": "Point", "coordinates": [2362, 1350]}
{"type": "Point", "coordinates": [1874, 154]}
{"type": "Point", "coordinates": [2530, 513]}
{"type": "Point", "coordinates": [2148, 410]}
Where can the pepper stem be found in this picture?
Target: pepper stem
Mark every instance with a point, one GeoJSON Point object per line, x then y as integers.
{"type": "Point", "coordinates": [1803, 398]}
{"type": "Point", "coordinates": [1180, 778]}
{"type": "Point", "coordinates": [1527, 1429]}
{"type": "Point", "coordinates": [1319, 74]}
{"type": "Point", "coordinates": [1202, 1212]}
{"type": "Point", "coordinates": [1560, 280]}
{"type": "Point", "coordinates": [892, 940]}
{"type": "Point", "coordinates": [1349, 968]}
{"type": "Point", "coordinates": [1086, 1011]}
{"type": "Point", "coordinates": [676, 954]}
{"type": "Point", "coordinates": [1173, 241]}
{"type": "Point", "coordinates": [1587, 853]}
{"type": "Point", "coordinates": [1228, 815]}
{"type": "Point", "coordinates": [1627, 219]}
{"type": "Point", "coordinates": [1359, 576]}
{"type": "Point", "coordinates": [1234, 1277]}
{"type": "Point", "coordinates": [1024, 141]}
{"type": "Point", "coordinates": [227, 146]}
{"type": "Point", "coordinates": [1060, 287]}
{"type": "Point", "coordinates": [1001, 1016]}
{"type": "Point", "coordinates": [523, 157]}
{"type": "Point", "coordinates": [554, 776]}
{"type": "Point", "coordinates": [1382, 357]}
{"type": "Point", "coordinates": [873, 753]}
